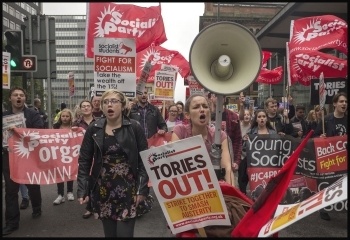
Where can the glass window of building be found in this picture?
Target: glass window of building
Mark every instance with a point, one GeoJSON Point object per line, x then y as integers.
{"type": "Point", "coordinates": [23, 5]}
{"type": "Point", "coordinates": [23, 16]}
{"type": "Point", "coordinates": [18, 27]}
{"type": "Point", "coordinates": [11, 11]}
{"type": "Point", "coordinates": [12, 25]}
{"type": "Point", "coordinates": [28, 8]}
{"type": "Point", "coordinates": [5, 22]}
{"type": "Point", "coordinates": [33, 11]}
{"type": "Point", "coordinates": [18, 15]}
{"type": "Point", "coordinates": [5, 7]}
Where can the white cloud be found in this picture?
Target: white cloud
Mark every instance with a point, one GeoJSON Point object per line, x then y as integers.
{"type": "Point", "coordinates": [181, 22]}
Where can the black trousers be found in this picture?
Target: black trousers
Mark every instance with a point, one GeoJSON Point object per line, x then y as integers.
{"type": "Point", "coordinates": [12, 212]}
{"type": "Point", "coordinates": [243, 178]}
{"type": "Point", "coordinates": [113, 228]}
{"type": "Point", "coordinates": [60, 188]}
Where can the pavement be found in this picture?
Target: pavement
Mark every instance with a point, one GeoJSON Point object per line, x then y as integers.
{"type": "Point", "coordinates": [66, 220]}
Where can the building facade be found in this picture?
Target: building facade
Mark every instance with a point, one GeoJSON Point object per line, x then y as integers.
{"type": "Point", "coordinates": [252, 15]}
{"type": "Point", "coordinates": [70, 57]}
{"type": "Point", "coordinates": [13, 14]}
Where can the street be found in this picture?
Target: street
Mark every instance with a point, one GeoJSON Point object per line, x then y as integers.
{"type": "Point", "coordinates": [66, 220]}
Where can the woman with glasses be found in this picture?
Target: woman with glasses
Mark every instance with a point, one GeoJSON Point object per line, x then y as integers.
{"type": "Point", "coordinates": [118, 185]}
{"type": "Point", "coordinates": [86, 117]}
{"type": "Point", "coordinates": [172, 119]}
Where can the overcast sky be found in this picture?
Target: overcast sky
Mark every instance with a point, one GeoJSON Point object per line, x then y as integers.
{"type": "Point", "coordinates": [181, 22]}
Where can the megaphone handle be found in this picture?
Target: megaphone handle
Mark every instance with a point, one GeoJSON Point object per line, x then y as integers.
{"type": "Point", "coordinates": [218, 118]}
{"type": "Point", "coordinates": [217, 137]}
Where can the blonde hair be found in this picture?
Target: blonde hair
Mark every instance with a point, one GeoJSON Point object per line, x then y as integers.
{"type": "Point", "coordinates": [309, 116]}
{"type": "Point", "coordinates": [70, 114]}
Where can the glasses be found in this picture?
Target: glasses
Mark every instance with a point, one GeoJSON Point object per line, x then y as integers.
{"type": "Point", "coordinates": [173, 111]}
{"type": "Point", "coordinates": [112, 101]}
{"type": "Point", "coordinates": [85, 106]}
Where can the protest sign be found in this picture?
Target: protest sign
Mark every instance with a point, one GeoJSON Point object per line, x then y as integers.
{"type": "Point", "coordinates": [323, 161]}
{"type": "Point", "coordinates": [164, 85]}
{"type": "Point", "coordinates": [141, 84]}
{"type": "Point", "coordinates": [186, 185]}
{"type": "Point", "coordinates": [6, 70]}
{"type": "Point", "coordinates": [194, 86]}
{"type": "Point", "coordinates": [71, 84]}
{"type": "Point", "coordinates": [14, 120]}
{"type": "Point", "coordinates": [115, 65]}
{"type": "Point", "coordinates": [44, 156]}
{"type": "Point", "coordinates": [288, 214]}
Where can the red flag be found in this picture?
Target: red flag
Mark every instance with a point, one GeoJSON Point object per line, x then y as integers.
{"type": "Point", "coordinates": [263, 209]}
{"type": "Point", "coordinates": [161, 56]}
{"type": "Point", "coordinates": [308, 36]}
{"type": "Point", "coordinates": [105, 19]}
{"type": "Point", "coordinates": [318, 32]}
{"type": "Point", "coordinates": [273, 76]}
{"type": "Point", "coordinates": [312, 63]}
{"type": "Point", "coordinates": [267, 76]}
{"type": "Point", "coordinates": [266, 56]}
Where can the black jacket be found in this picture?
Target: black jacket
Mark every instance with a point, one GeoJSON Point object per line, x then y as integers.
{"type": "Point", "coordinates": [154, 119]}
{"type": "Point", "coordinates": [280, 126]}
{"type": "Point", "coordinates": [329, 125]}
{"type": "Point", "coordinates": [303, 124]}
{"type": "Point", "coordinates": [131, 138]}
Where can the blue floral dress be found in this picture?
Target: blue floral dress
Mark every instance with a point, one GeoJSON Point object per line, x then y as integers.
{"type": "Point", "coordinates": [113, 197]}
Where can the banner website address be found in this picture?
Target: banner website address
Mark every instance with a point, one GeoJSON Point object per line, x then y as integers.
{"type": "Point", "coordinates": [201, 219]}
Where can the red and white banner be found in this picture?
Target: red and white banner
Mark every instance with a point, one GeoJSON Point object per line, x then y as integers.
{"type": "Point", "coordinates": [307, 37]}
{"type": "Point", "coordinates": [44, 156]}
{"type": "Point", "coordinates": [161, 56]}
{"type": "Point", "coordinates": [110, 20]}
{"type": "Point", "coordinates": [267, 76]}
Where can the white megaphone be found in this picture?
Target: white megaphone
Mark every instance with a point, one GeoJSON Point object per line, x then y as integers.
{"type": "Point", "coordinates": [225, 58]}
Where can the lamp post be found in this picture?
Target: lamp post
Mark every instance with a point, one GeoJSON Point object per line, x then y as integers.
{"type": "Point", "coordinates": [49, 96]}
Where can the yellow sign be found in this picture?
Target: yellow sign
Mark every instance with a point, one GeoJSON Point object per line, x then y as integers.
{"type": "Point", "coordinates": [194, 206]}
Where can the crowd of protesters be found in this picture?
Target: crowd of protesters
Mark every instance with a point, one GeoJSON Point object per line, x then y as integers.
{"type": "Point", "coordinates": [121, 127]}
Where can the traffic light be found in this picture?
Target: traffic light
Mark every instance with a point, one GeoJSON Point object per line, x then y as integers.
{"type": "Point", "coordinates": [14, 45]}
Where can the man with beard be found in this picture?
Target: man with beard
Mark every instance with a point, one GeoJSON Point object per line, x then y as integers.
{"type": "Point", "coordinates": [148, 116]}
{"type": "Point", "coordinates": [37, 107]}
{"type": "Point", "coordinates": [12, 212]}
{"type": "Point", "coordinates": [96, 110]}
